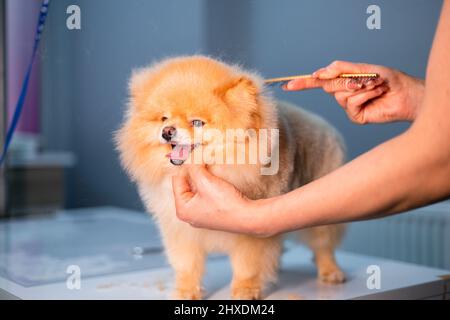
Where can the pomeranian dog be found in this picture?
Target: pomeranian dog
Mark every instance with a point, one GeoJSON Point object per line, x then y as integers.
{"type": "Point", "coordinates": [171, 101]}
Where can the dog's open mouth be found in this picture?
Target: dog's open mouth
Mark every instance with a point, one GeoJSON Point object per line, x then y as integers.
{"type": "Point", "coordinates": [180, 152]}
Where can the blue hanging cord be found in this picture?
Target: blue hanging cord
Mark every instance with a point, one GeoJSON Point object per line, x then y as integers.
{"type": "Point", "coordinates": [23, 92]}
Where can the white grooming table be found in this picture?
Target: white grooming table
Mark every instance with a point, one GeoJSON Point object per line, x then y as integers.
{"type": "Point", "coordinates": [120, 257]}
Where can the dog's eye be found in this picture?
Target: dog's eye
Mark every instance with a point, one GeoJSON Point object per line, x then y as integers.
{"type": "Point", "coordinates": [197, 123]}
{"type": "Point", "coordinates": [164, 119]}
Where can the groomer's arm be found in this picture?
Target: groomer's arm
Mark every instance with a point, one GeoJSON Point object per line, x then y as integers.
{"type": "Point", "coordinates": [408, 171]}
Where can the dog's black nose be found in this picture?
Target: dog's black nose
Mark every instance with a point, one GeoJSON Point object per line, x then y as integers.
{"type": "Point", "coordinates": [168, 133]}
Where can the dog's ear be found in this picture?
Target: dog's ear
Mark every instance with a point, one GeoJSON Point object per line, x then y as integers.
{"type": "Point", "coordinates": [239, 91]}
{"type": "Point", "coordinates": [138, 82]}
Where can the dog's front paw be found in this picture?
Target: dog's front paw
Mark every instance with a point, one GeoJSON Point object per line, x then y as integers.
{"type": "Point", "coordinates": [188, 294]}
{"type": "Point", "coordinates": [331, 275]}
{"type": "Point", "coordinates": [246, 291]}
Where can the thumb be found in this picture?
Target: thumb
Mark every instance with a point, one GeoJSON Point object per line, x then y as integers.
{"type": "Point", "coordinates": [182, 191]}
{"type": "Point", "coordinates": [203, 180]}
{"type": "Point", "coordinates": [200, 176]}
{"type": "Point", "coordinates": [339, 67]}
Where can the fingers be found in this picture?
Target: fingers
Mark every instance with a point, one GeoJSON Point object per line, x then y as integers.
{"type": "Point", "coordinates": [372, 83]}
{"type": "Point", "coordinates": [337, 68]}
{"type": "Point", "coordinates": [342, 96]}
{"type": "Point", "coordinates": [333, 84]}
{"type": "Point", "coordinates": [357, 101]}
{"type": "Point", "coordinates": [339, 84]}
{"type": "Point", "coordinates": [354, 103]}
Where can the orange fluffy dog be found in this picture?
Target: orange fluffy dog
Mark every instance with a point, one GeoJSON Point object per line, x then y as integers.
{"type": "Point", "coordinates": [173, 99]}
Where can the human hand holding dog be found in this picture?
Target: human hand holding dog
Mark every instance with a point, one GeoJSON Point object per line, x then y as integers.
{"type": "Point", "coordinates": [393, 96]}
{"type": "Point", "coordinates": [206, 201]}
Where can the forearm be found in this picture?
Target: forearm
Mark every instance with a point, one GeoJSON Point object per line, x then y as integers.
{"type": "Point", "coordinates": [393, 177]}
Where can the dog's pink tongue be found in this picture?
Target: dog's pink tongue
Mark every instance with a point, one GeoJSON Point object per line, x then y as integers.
{"type": "Point", "coordinates": [180, 152]}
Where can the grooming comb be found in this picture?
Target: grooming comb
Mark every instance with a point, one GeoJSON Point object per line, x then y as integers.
{"type": "Point", "coordinates": [282, 80]}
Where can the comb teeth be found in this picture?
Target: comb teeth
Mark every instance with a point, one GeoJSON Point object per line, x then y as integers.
{"type": "Point", "coordinates": [283, 80]}
{"type": "Point", "coordinates": [359, 75]}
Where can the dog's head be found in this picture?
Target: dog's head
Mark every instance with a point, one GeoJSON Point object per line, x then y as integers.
{"type": "Point", "coordinates": [174, 103]}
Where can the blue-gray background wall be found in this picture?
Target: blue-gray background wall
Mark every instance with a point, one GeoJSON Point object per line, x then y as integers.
{"type": "Point", "coordinates": [85, 71]}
